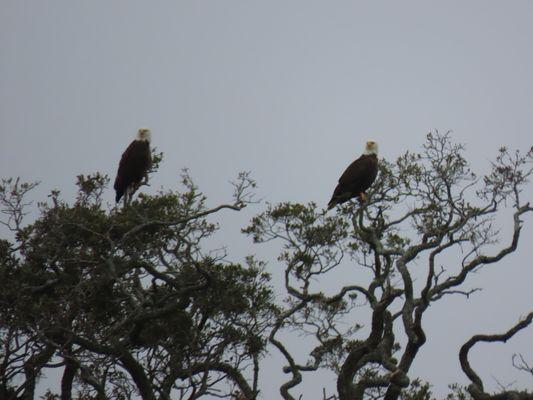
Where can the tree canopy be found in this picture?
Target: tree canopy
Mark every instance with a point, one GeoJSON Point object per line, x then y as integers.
{"type": "Point", "coordinates": [128, 302]}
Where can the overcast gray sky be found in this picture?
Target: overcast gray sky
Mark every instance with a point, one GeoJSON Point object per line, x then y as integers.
{"type": "Point", "coordinates": [289, 90]}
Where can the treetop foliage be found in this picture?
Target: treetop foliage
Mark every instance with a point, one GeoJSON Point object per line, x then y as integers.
{"type": "Point", "coordinates": [128, 301]}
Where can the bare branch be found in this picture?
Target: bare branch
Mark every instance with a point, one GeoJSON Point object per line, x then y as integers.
{"type": "Point", "coordinates": [476, 389]}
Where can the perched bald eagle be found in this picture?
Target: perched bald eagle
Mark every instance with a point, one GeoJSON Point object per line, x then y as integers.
{"type": "Point", "coordinates": [358, 177]}
{"type": "Point", "coordinates": [134, 165]}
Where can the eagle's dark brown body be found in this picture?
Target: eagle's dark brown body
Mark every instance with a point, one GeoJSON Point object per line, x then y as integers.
{"type": "Point", "coordinates": [133, 167]}
{"type": "Point", "coordinates": [357, 178]}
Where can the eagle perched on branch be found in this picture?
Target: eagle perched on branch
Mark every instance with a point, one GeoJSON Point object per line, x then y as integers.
{"type": "Point", "coordinates": [134, 166]}
{"type": "Point", "coordinates": [358, 177]}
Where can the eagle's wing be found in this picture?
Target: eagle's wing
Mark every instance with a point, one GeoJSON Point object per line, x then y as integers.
{"type": "Point", "coordinates": [355, 170]}
{"type": "Point", "coordinates": [133, 166]}
{"type": "Point", "coordinates": [123, 164]}
{"type": "Point", "coordinates": [357, 177]}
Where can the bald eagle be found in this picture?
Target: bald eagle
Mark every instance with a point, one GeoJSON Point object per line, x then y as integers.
{"type": "Point", "coordinates": [133, 167]}
{"type": "Point", "coordinates": [358, 177]}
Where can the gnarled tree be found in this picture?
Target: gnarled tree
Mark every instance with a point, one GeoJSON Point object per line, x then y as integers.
{"type": "Point", "coordinates": [422, 208]}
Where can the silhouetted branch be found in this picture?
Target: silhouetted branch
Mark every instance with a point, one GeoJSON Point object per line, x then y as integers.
{"type": "Point", "coordinates": [476, 388]}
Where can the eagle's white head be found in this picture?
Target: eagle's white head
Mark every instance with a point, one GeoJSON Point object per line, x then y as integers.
{"type": "Point", "coordinates": [144, 134]}
{"type": "Point", "coordinates": [371, 148]}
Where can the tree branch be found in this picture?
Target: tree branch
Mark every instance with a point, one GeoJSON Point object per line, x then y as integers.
{"type": "Point", "coordinates": [476, 388]}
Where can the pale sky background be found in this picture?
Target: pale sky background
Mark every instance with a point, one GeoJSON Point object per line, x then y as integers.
{"type": "Point", "coordinates": [289, 90]}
